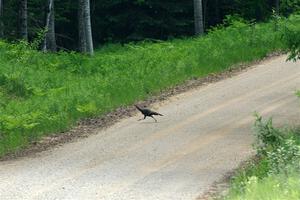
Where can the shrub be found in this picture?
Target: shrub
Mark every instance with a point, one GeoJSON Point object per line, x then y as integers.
{"type": "Point", "coordinates": [277, 167]}
{"type": "Point", "coordinates": [291, 35]}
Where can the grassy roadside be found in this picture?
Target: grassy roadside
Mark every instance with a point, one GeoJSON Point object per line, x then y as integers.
{"type": "Point", "coordinates": [276, 174]}
{"type": "Point", "coordinates": [45, 93]}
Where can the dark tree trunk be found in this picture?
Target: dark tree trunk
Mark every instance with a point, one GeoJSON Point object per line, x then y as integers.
{"type": "Point", "coordinates": [205, 13]}
{"type": "Point", "coordinates": [217, 12]}
{"type": "Point", "coordinates": [277, 7]}
{"type": "Point", "coordinates": [198, 17]}
{"type": "Point", "coordinates": [50, 41]}
{"type": "Point", "coordinates": [1, 20]}
{"type": "Point", "coordinates": [23, 28]}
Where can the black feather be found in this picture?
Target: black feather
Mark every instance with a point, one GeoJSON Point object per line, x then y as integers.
{"type": "Point", "coordinates": [147, 112]}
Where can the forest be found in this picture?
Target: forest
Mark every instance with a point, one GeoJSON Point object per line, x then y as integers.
{"type": "Point", "coordinates": [123, 21]}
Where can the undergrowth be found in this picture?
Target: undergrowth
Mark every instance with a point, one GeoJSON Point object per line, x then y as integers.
{"type": "Point", "coordinates": [276, 172]}
{"type": "Point", "coordinates": [45, 93]}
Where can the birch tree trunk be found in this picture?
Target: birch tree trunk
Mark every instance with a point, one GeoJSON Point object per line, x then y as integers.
{"type": "Point", "coordinates": [198, 17]}
{"type": "Point", "coordinates": [50, 41]}
{"type": "Point", "coordinates": [88, 27]}
{"type": "Point", "coordinates": [23, 20]}
{"type": "Point", "coordinates": [81, 28]}
{"type": "Point", "coordinates": [85, 27]}
{"type": "Point", "coordinates": [1, 20]}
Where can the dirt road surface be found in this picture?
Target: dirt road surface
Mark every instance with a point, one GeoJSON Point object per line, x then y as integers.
{"type": "Point", "coordinates": [204, 134]}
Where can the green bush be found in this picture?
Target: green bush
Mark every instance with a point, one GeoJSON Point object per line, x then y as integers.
{"type": "Point", "coordinates": [291, 35]}
{"type": "Point", "coordinates": [276, 170]}
{"type": "Point", "coordinates": [268, 138]}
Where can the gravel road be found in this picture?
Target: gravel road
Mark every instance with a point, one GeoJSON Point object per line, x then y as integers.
{"type": "Point", "coordinates": [205, 133]}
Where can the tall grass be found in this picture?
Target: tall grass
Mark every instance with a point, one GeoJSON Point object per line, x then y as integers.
{"type": "Point", "coordinates": [276, 187]}
{"type": "Point", "coordinates": [45, 93]}
{"type": "Point", "coordinates": [277, 173]}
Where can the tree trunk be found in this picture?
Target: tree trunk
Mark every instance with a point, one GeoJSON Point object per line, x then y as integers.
{"type": "Point", "coordinates": [198, 17]}
{"type": "Point", "coordinates": [23, 29]}
{"type": "Point", "coordinates": [277, 7]}
{"type": "Point", "coordinates": [88, 27]}
{"type": "Point", "coordinates": [217, 12]}
{"type": "Point", "coordinates": [205, 13]}
{"type": "Point", "coordinates": [85, 27]}
{"type": "Point", "coordinates": [81, 28]}
{"type": "Point", "coordinates": [1, 20]}
{"type": "Point", "coordinates": [50, 41]}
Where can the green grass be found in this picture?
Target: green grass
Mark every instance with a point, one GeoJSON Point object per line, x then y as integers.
{"type": "Point", "coordinates": [45, 93]}
{"type": "Point", "coordinates": [276, 187]}
{"type": "Point", "coordinates": [276, 175]}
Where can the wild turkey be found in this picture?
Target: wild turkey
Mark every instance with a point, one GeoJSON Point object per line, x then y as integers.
{"type": "Point", "coordinates": [147, 113]}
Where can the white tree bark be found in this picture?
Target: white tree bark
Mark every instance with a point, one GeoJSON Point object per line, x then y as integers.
{"type": "Point", "coordinates": [198, 17]}
{"type": "Point", "coordinates": [1, 20]}
{"type": "Point", "coordinates": [23, 20]}
{"type": "Point", "coordinates": [81, 28]}
{"type": "Point", "coordinates": [88, 28]}
{"type": "Point", "coordinates": [50, 41]}
{"type": "Point", "coordinates": [85, 27]}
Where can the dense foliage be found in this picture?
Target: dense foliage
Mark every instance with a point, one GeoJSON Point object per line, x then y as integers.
{"type": "Point", "coordinates": [292, 38]}
{"type": "Point", "coordinates": [44, 93]}
{"type": "Point", "coordinates": [132, 20]}
{"type": "Point", "coordinates": [276, 174]}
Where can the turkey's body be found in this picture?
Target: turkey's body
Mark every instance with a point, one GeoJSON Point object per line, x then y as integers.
{"type": "Point", "coordinates": [147, 112]}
